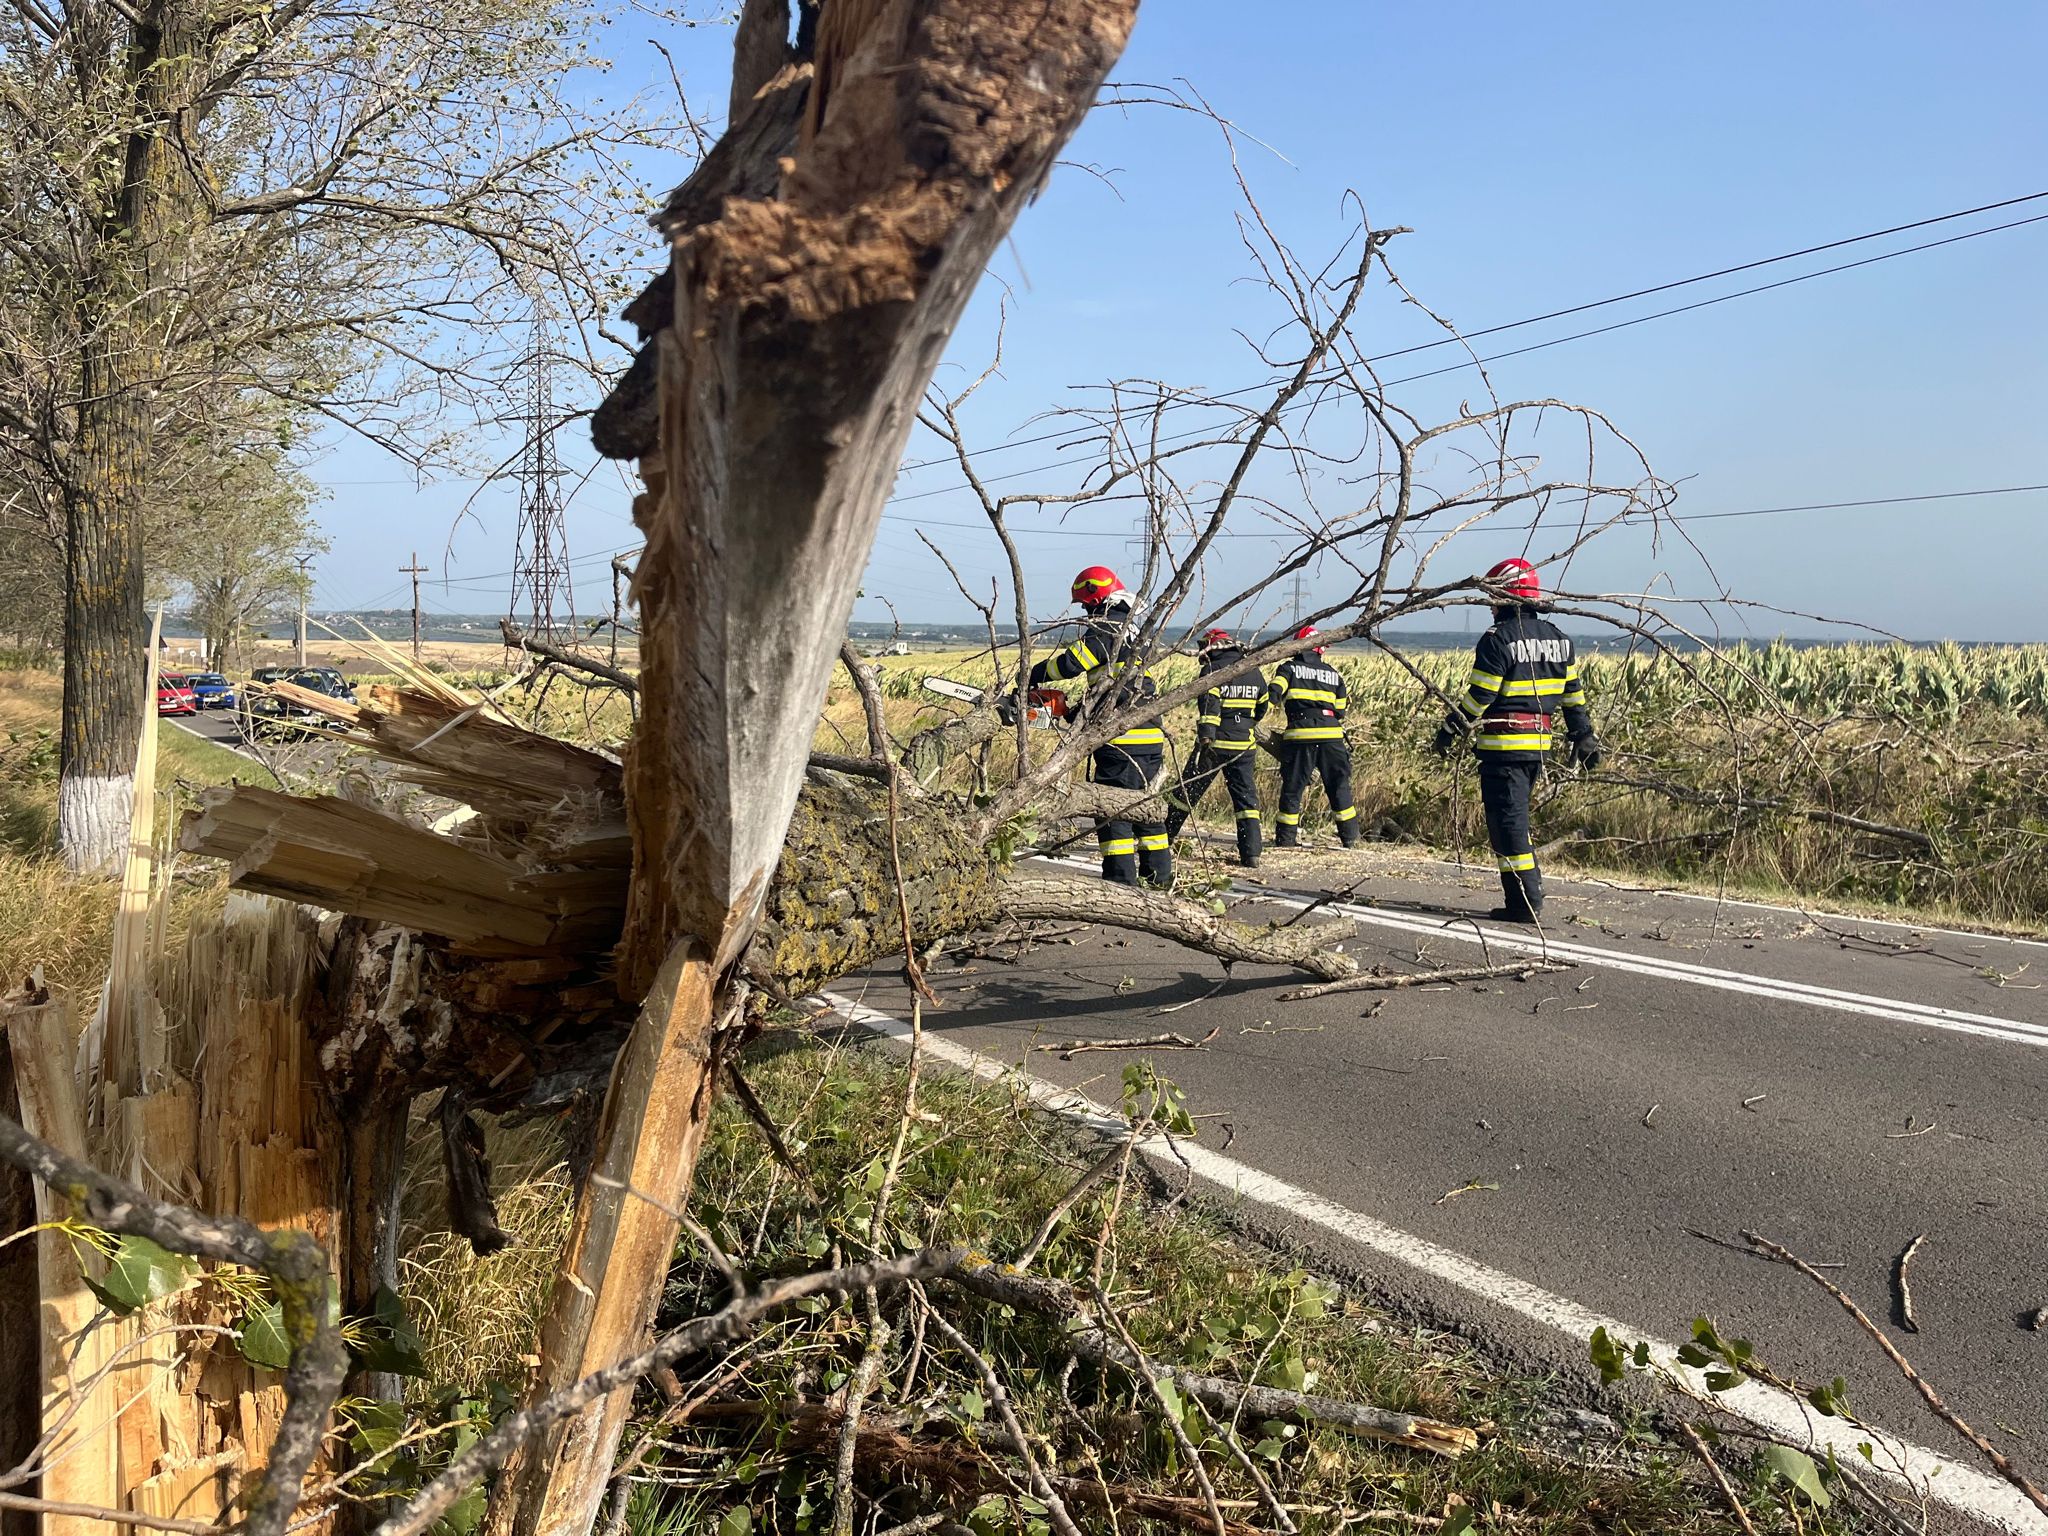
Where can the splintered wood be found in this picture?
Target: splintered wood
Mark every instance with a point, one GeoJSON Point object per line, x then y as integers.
{"type": "Point", "coordinates": [346, 857]}
{"type": "Point", "coordinates": [169, 1426]}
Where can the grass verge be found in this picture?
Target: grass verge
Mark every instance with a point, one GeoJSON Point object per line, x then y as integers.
{"type": "Point", "coordinates": [737, 1444]}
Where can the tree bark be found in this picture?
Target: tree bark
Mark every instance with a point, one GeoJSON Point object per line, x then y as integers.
{"type": "Point", "coordinates": [803, 330]}
{"type": "Point", "coordinates": [121, 313]}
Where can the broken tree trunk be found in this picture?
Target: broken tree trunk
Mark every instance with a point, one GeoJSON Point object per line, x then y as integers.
{"type": "Point", "coordinates": [802, 331]}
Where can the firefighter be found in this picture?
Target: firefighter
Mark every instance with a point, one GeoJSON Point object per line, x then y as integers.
{"type": "Point", "coordinates": [1224, 745]}
{"type": "Point", "coordinates": [1523, 674]}
{"type": "Point", "coordinates": [1132, 850]}
{"type": "Point", "coordinates": [1311, 691]}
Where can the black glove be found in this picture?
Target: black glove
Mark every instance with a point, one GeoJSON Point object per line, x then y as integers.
{"type": "Point", "coordinates": [1587, 752]}
{"type": "Point", "coordinates": [1446, 741]}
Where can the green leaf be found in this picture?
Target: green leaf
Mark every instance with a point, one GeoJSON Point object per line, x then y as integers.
{"type": "Point", "coordinates": [465, 1516]}
{"type": "Point", "coordinates": [375, 1428]}
{"type": "Point", "coordinates": [1607, 1356]}
{"type": "Point", "coordinates": [738, 1521]}
{"type": "Point", "coordinates": [261, 1337]}
{"type": "Point", "coordinates": [1288, 1373]}
{"type": "Point", "coordinates": [140, 1272]}
{"type": "Point", "coordinates": [972, 1408]}
{"type": "Point", "coordinates": [1456, 1523]}
{"type": "Point", "coordinates": [1693, 1355]}
{"type": "Point", "coordinates": [1721, 1381]}
{"type": "Point", "coordinates": [1832, 1399]}
{"type": "Point", "coordinates": [390, 1343]}
{"type": "Point", "coordinates": [1797, 1468]}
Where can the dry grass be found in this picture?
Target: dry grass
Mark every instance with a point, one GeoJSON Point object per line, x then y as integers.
{"type": "Point", "coordinates": [478, 1317]}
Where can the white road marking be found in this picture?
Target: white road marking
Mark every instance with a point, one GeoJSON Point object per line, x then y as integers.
{"type": "Point", "coordinates": [1610, 886]}
{"type": "Point", "coordinates": [1923, 1015]}
{"type": "Point", "coordinates": [1898, 1009]}
{"type": "Point", "coordinates": [1926, 1472]}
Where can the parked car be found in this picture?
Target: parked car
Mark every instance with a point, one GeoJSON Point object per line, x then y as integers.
{"type": "Point", "coordinates": [270, 674]}
{"type": "Point", "coordinates": [212, 690]}
{"type": "Point", "coordinates": [323, 680]}
{"type": "Point", "coordinates": [174, 695]}
{"type": "Point", "coordinates": [265, 714]}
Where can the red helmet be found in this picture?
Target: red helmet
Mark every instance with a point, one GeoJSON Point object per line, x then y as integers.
{"type": "Point", "coordinates": [1309, 632]}
{"type": "Point", "coordinates": [1096, 586]}
{"type": "Point", "coordinates": [1516, 577]}
{"type": "Point", "coordinates": [1217, 639]}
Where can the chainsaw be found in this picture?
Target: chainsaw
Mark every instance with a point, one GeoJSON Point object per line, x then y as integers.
{"type": "Point", "coordinates": [1042, 706]}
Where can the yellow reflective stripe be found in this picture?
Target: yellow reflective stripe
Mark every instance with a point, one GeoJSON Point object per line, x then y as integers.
{"type": "Point", "coordinates": [1347, 813]}
{"type": "Point", "coordinates": [1241, 703]}
{"type": "Point", "coordinates": [1473, 707]}
{"type": "Point", "coordinates": [1141, 736]}
{"type": "Point", "coordinates": [1490, 681]}
{"type": "Point", "coordinates": [1278, 688]}
{"type": "Point", "coordinates": [1290, 819]}
{"type": "Point", "coordinates": [1534, 687]}
{"type": "Point", "coordinates": [1314, 733]}
{"type": "Point", "coordinates": [1571, 671]}
{"type": "Point", "coordinates": [1247, 815]}
{"type": "Point", "coordinates": [1233, 745]}
{"type": "Point", "coordinates": [1208, 719]}
{"type": "Point", "coordinates": [1080, 652]}
{"type": "Point", "coordinates": [1574, 700]}
{"type": "Point", "coordinates": [1515, 862]}
{"type": "Point", "coordinates": [1153, 842]}
{"type": "Point", "coordinates": [1314, 696]}
{"type": "Point", "coordinates": [1113, 845]}
{"type": "Point", "coordinates": [1538, 743]}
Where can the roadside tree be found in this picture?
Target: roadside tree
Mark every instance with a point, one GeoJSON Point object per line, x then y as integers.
{"type": "Point", "coordinates": [213, 199]}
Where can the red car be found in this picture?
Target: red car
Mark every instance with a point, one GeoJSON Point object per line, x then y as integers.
{"type": "Point", "coordinates": [174, 696]}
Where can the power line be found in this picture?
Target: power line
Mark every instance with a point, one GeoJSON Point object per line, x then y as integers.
{"type": "Point", "coordinates": [1675, 517]}
{"type": "Point", "coordinates": [1558, 314]}
{"type": "Point", "coordinates": [1558, 341]}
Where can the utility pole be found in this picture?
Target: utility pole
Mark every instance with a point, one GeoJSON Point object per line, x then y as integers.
{"type": "Point", "coordinates": [299, 634]}
{"type": "Point", "coordinates": [414, 571]}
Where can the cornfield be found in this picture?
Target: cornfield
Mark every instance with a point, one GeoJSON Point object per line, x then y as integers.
{"type": "Point", "coordinates": [1738, 767]}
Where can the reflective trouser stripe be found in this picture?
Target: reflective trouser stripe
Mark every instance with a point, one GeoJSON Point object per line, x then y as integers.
{"type": "Point", "coordinates": [1247, 815]}
{"type": "Point", "coordinates": [1314, 733]}
{"type": "Point", "coordinates": [1151, 842]}
{"type": "Point", "coordinates": [1517, 861]}
{"type": "Point", "coordinates": [1233, 746]}
{"type": "Point", "coordinates": [1290, 819]}
{"type": "Point", "coordinates": [1116, 845]}
{"type": "Point", "coordinates": [1485, 743]}
{"type": "Point", "coordinates": [1143, 736]}
{"type": "Point", "coordinates": [1347, 813]}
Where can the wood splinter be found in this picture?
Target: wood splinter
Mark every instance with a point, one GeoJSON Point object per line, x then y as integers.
{"type": "Point", "coordinates": [1906, 1319]}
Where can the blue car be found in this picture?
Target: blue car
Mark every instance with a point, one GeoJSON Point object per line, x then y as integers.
{"type": "Point", "coordinates": [211, 689]}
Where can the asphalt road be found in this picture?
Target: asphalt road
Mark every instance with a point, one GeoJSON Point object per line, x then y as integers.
{"type": "Point", "coordinates": [213, 724]}
{"type": "Point", "coordinates": [1838, 1085]}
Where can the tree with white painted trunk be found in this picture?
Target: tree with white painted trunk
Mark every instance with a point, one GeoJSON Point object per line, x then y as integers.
{"type": "Point", "coordinates": [268, 216]}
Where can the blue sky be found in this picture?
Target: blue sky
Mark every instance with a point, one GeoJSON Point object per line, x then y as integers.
{"type": "Point", "coordinates": [1543, 156]}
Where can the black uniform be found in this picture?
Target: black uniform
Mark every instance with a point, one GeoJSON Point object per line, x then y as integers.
{"type": "Point", "coordinates": [1312, 693]}
{"type": "Point", "coordinates": [1130, 849]}
{"type": "Point", "coordinates": [1224, 745]}
{"type": "Point", "coordinates": [1523, 673]}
